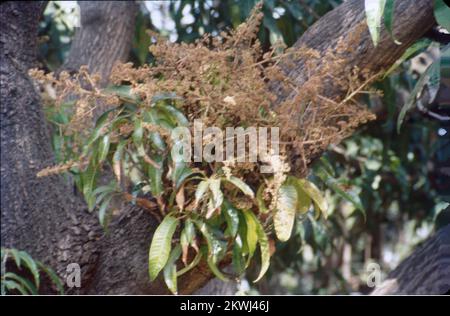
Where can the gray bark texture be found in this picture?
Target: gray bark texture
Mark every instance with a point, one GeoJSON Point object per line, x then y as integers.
{"type": "Point", "coordinates": [425, 272]}
{"type": "Point", "coordinates": [43, 215]}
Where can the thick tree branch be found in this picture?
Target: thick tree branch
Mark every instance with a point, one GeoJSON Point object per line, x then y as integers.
{"type": "Point", "coordinates": [425, 271]}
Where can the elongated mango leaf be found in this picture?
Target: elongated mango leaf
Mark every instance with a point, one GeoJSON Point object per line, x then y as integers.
{"type": "Point", "coordinates": [314, 193]}
{"type": "Point", "coordinates": [389, 18]}
{"type": "Point", "coordinates": [180, 173]}
{"type": "Point", "coordinates": [374, 12]}
{"type": "Point", "coordinates": [434, 81]}
{"type": "Point", "coordinates": [138, 132]}
{"type": "Point", "coordinates": [26, 284]}
{"type": "Point", "coordinates": [98, 131]}
{"type": "Point", "coordinates": [177, 115]}
{"type": "Point", "coordinates": [232, 219]}
{"type": "Point", "coordinates": [122, 91]}
{"type": "Point", "coordinates": [201, 190]}
{"type": "Point", "coordinates": [117, 160]}
{"type": "Point", "coordinates": [13, 285]}
{"type": "Point", "coordinates": [170, 270]}
{"type": "Point", "coordinates": [303, 199]}
{"type": "Point", "coordinates": [103, 148]}
{"type": "Point", "coordinates": [410, 52]}
{"type": "Point", "coordinates": [102, 212]}
{"type": "Point", "coordinates": [186, 238]}
{"type": "Point", "coordinates": [263, 245]}
{"type": "Point", "coordinates": [333, 184]}
{"type": "Point", "coordinates": [238, 258]}
{"type": "Point", "coordinates": [88, 180]}
{"type": "Point", "coordinates": [155, 176]}
{"type": "Point", "coordinates": [16, 255]}
{"type": "Point", "coordinates": [284, 216]}
{"type": "Point", "coordinates": [217, 196]}
{"type": "Point", "coordinates": [216, 250]}
{"type": "Point", "coordinates": [423, 79]}
{"type": "Point", "coordinates": [31, 266]}
{"type": "Point", "coordinates": [241, 185]}
{"type": "Point", "coordinates": [161, 245]}
{"type": "Point", "coordinates": [442, 14]}
{"type": "Point", "coordinates": [53, 277]}
{"type": "Point", "coordinates": [252, 233]}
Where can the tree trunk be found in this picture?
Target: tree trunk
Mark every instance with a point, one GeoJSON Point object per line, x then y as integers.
{"type": "Point", "coordinates": [44, 217]}
{"type": "Point", "coordinates": [425, 272]}
{"type": "Point", "coordinates": [39, 215]}
{"type": "Point", "coordinates": [105, 36]}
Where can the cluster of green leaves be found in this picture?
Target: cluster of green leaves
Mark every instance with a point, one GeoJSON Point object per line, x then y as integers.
{"type": "Point", "coordinates": [18, 281]}
{"type": "Point", "coordinates": [144, 167]}
{"type": "Point", "coordinates": [232, 232]}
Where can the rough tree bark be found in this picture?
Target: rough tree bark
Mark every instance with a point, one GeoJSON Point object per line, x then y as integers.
{"type": "Point", "coordinates": [39, 215]}
{"type": "Point", "coordinates": [105, 36]}
{"type": "Point", "coordinates": [425, 272]}
{"type": "Point", "coordinates": [44, 217]}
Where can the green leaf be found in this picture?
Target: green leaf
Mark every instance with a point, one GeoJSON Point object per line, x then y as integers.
{"type": "Point", "coordinates": [161, 245]}
{"type": "Point", "coordinates": [189, 230]}
{"type": "Point", "coordinates": [13, 285]}
{"type": "Point", "coordinates": [30, 287]}
{"type": "Point", "coordinates": [138, 132]}
{"type": "Point", "coordinates": [434, 82]}
{"type": "Point", "coordinates": [314, 193]}
{"type": "Point", "coordinates": [263, 244]}
{"type": "Point", "coordinates": [414, 93]}
{"type": "Point", "coordinates": [88, 180]}
{"type": "Point", "coordinates": [442, 14]}
{"type": "Point", "coordinates": [158, 142]}
{"type": "Point", "coordinates": [103, 148]}
{"type": "Point", "coordinates": [216, 250]}
{"type": "Point", "coordinates": [16, 255]}
{"type": "Point", "coordinates": [98, 131]}
{"type": "Point", "coordinates": [31, 265]}
{"type": "Point", "coordinates": [122, 91]}
{"type": "Point", "coordinates": [238, 259]}
{"type": "Point", "coordinates": [179, 117]}
{"type": "Point", "coordinates": [155, 176]}
{"type": "Point", "coordinates": [232, 219]}
{"type": "Point", "coordinates": [117, 160]}
{"type": "Point", "coordinates": [333, 184]}
{"type": "Point", "coordinates": [180, 173]}
{"type": "Point", "coordinates": [164, 96]}
{"type": "Point", "coordinates": [284, 216]}
{"type": "Point", "coordinates": [201, 190]}
{"type": "Point", "coordinates": [217, 196]}
{"type": "Point", "coordinates": [303, 199]}
{"type": "Point", "coordinates": [389, 18]}
{"type": "Point", "coordinates": [241, 185]}
{"type": "Point", "coordinates": [170, 270]}
{"type": "Point", "coordinates": [252, 234]}
{"type": "Point", "coordinates": [53, 277]}
{"type": "Point", "coordinates": [410, 52]}
{"type": "Point", "coordinates": [102, 216]}
{"type": "Point", "coordinates": [374, 12]}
